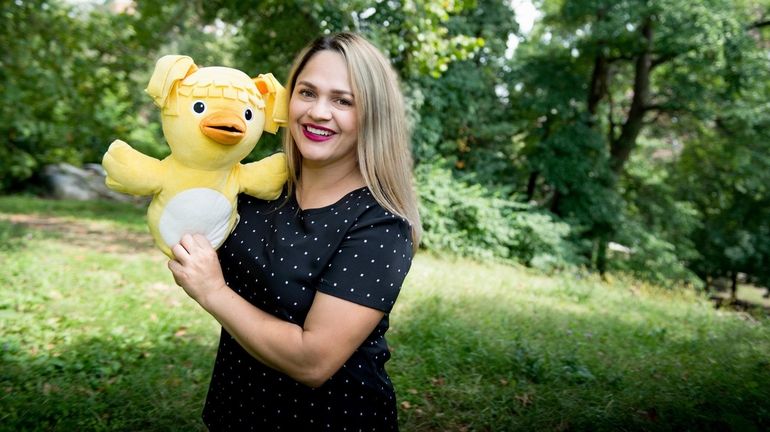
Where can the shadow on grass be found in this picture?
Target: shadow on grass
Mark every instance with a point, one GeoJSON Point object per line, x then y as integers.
{"type": "Point", "coordinates": [127, 215]}
{"type": "Point", "coordinates": [454, 371]}
{"type": "Point", "coordinates": [559, 370]}
{"type": "Point", "coordinates": [100, 385]}
{"type": "Point", "coordinates": [89, 236]}
{"type": "Point", "coordinates": [12, 236]}
{"type": "Point", "coordinates": [17, 229]}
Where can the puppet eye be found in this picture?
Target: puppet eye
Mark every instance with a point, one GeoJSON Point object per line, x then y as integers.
{"type": "Point", "coordinates": [199, 107]}
{"type": "Point", "coordinates": [248, 114]}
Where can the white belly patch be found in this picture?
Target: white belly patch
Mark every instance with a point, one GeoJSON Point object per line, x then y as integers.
{"type": "Point", "coordinates": [196, 211]}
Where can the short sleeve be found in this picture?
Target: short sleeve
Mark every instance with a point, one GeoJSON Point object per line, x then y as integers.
{"type": "Point", "coordinates": [369, 266]}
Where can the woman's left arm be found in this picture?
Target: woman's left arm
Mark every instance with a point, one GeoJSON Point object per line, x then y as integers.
{"type": "Point", "coordinates": [333, 330]}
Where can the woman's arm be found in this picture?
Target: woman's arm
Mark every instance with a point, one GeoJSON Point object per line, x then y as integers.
{"type": "Point", "coordinates": [333, 330]}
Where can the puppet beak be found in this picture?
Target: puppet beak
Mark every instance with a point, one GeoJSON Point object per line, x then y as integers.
{"type": "Point", "coordinates": [224, 127]}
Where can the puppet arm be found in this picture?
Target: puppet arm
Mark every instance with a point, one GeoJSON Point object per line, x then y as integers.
{"type": "Point", "coordinates": [130, 171]}
{"type": "Point", "coordinates": [264, 178]}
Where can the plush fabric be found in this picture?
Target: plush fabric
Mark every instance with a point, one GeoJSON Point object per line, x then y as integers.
{"type": "Point", "coordinates": [212, 118]}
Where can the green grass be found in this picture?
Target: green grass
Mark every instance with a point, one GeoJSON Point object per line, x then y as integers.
{"type": "Point", "coordinates": [96, 336]}
{"type": "Point", "coordinates": [121, 215]}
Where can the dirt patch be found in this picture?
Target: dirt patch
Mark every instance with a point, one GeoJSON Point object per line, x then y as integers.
{"type": "Point", "coordinates": [97, 236]}
{"type": "Point", "coordinates": [750, 299]}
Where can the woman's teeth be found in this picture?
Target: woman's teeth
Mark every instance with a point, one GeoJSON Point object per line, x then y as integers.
{"type": "Point", "coordinates": [316, 131]}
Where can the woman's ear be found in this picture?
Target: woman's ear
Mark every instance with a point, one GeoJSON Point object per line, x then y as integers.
{"type": "Point", "coordinates": [276, 102]}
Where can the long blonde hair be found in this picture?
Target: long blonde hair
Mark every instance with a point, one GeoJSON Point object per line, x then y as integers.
{"type": "Point", "coordinates": [383, 148]}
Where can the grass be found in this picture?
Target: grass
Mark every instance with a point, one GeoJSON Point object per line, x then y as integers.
{"type": "Point", "coordinates": [96, 336]}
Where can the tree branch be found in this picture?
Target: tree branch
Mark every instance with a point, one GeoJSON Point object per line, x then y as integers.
{"type": "Point", "coordinates": [614, 59]}
{"type": "Point", "coordinates": [664, 59]}
{"type": "Point", "coordinates": [620, 148]}
{"type": "Point", "coordinates": [610, 118]}
{"type": "Point", "coordinates": [759, 24]}
{"type": "Point", "coordinates": [659, 107]}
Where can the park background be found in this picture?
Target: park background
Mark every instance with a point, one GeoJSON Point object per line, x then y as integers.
{"type": "Point", "coordinates": [594, 179]}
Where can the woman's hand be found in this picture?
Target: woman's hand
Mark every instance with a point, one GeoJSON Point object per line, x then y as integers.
{"type": "Point", "coordinates": [196, 268]}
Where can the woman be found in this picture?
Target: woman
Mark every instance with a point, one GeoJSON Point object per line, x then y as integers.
{"type": "Point", "coordinates": [304, 284]}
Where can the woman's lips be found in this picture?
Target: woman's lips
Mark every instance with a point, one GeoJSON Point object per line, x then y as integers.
{"type": "Point", "coordinates": [317, 133]}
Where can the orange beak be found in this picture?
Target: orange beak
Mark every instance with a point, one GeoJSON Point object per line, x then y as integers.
{"type": "Point", "coordinates": [224, 127]}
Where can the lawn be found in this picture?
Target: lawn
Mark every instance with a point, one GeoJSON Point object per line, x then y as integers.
{"type": "Point", "coordinates": [96, 336]}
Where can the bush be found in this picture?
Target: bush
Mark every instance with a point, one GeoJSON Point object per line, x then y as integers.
{"type": "Point", "coordinates": [652, 258]}
{"type": "Point", "coordinates": [468, 220]}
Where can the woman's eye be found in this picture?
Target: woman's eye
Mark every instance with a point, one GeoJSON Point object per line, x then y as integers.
{"type": "Point", "coordinates": [305, 93]}
{"type": "Point", "coordinates": [199, 107]}
{"type": "Point", "coordinates": [248, 114]}
{"type": "Point", "coordinates": [345, 102]}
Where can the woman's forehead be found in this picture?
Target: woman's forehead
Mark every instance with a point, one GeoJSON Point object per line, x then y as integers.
{"type": "Point", "coordinates": [326, 71]}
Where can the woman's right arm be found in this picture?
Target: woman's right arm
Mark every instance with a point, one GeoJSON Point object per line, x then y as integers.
{"type": "Point", "coordinates": [334, 328]}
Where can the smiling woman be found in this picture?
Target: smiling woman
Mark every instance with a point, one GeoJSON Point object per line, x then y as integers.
{"type": "Point", "coordinates": [369, 87]}
{"type": "Point", "coordinates": [323, 119]}
{"type": "Point", "coordinates": [304, 285]}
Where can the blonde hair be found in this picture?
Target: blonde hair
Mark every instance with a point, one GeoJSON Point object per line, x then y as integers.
{"type": "Point", "coordinates": [383, 147]}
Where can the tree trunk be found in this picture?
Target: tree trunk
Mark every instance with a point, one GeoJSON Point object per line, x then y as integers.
{"type": "Point", "coordinates": [531, 184]}
{"type": "Point", "coordinates": [601, 254]}
{"type": "Point", "coordinates": [599, 76]}
{"type": "Point", "coordinates": [734, 286]}
{"type": "Point", "coordinates": [555, 203]}
{"type": "Point", "coordinates": [598, 88]}
{"type": "Point", "coordinates": [620, 148]}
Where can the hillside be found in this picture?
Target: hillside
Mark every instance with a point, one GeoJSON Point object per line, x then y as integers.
{"type": "Point", "coordinates": [96, 336]}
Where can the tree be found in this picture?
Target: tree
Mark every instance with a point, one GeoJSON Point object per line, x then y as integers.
{"type": "Point", "coordinates": [65, 84]}
{"type": "Point", "coordinates": [461, 117]}
{"type": "Point", "coordinates": [727, 178]}
{"type": "Point", "coordinates": [623, 70]}
{"type": "Point", "coordinates": [413, 33]}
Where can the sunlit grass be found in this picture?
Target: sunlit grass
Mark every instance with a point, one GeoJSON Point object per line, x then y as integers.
{"type": "Point", "coordinates": [96, 340]}
{"type": "Point", "coordinates": [96, 336]}
{"type": "Point", "coordinates": [125, 216]}
{"type": "Point", "coordinates": [504, 348]}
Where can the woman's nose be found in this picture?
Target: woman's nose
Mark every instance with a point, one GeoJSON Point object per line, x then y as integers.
{"type": "Point", "coordinates": [320, 110]}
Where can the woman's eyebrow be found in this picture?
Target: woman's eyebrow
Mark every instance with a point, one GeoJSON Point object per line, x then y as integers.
{"type": "Point", "coordinates": [333, 91]}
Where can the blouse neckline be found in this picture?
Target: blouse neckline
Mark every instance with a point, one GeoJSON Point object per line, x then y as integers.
{"type": "Point", "coordinates": [326, 208]}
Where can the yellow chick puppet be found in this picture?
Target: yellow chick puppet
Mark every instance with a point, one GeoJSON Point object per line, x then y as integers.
{"type": "Point", "coordinates": [212, 118]}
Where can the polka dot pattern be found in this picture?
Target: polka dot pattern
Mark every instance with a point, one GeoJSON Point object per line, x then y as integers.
{"type": "Point", "coordinates": [277, 258]}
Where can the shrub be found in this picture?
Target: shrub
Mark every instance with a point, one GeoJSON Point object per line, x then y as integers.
{"type": "Point", "coordinates": [652, 258]}
{"type": "Point", "coordinates": [469, 220]}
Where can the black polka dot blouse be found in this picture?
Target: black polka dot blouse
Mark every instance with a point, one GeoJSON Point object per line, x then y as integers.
{"type": "Point", "coordinates": [277, 257]}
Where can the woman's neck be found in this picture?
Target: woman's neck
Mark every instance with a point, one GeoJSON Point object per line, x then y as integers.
{"type": "Point", "coordinates": [322, 187]}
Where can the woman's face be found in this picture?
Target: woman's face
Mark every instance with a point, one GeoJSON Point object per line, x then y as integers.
{"type": "Point", "coordinates": [322, 112]}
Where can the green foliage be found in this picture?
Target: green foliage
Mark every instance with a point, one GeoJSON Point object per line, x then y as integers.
{"type": "Point", "coordinates": [467, 220]}
{"type": "Point", "coordinates": [413, 33]}
{"type": "Point", "coordinates": [416, 36]}
{"type": "Point", "coordinates": [460, 116]}
{"type": "Point", "coordinates": [657, 226]}
{"type": "Point", "coordinates": [597, 78]}
{"type": "Point", "coordinates": [652, 259]}
{"type": "Point", "coordinates": [458, 119]}
{"type": "Point", "coordinates": [65, 83]}
{"type": "Point", "coordinates": [558, 125]}
{"type": "Point", "coordinates": [564, 152]}
{"type": "Point", "coordinates": [733, 200]}
{"type": "Point", "coordinates": [72, 79]}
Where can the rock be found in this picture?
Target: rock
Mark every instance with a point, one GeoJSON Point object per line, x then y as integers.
{"type": "Point", "coordinates": [70, 182]}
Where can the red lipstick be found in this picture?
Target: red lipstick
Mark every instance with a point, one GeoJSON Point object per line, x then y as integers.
{"type": "Point", "coordinates": [317, 133]}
